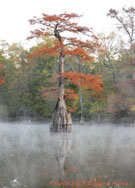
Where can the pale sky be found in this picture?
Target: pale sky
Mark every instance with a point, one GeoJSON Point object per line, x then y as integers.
{"type": "Point", "coordinates": [14, 14]}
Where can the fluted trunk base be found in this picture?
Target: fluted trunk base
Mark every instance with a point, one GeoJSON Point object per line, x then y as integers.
{"type": "Point", "coordinates": [61, 120]}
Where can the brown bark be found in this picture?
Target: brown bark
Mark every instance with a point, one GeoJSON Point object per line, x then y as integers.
{"type": "Point", "coordinates": [61, 120]}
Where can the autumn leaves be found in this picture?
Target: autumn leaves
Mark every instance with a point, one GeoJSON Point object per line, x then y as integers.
{"type": "Point", "coordinates": [57, 28]}
{"type": "Point", "coordinates": [2, 80]}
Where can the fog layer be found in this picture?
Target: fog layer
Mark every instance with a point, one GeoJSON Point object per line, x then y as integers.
{"type": "Point", "coordinates": [31, 156]}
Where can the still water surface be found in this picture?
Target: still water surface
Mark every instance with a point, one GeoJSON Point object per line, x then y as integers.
{"type": "Point", "coordinates": [32, 157]}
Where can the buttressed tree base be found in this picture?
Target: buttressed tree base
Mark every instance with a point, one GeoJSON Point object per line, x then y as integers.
{"type": "Point", "coordinates": [61, 120]}
{"type": "Point", "coordinates": [58, 27]}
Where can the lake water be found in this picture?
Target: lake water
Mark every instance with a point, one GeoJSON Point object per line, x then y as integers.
{"type": "Point", "coordinates": [32, 157]}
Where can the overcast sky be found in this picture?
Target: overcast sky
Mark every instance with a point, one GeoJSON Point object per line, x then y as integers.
{"type": "Point", "coordinates": [14, 14]}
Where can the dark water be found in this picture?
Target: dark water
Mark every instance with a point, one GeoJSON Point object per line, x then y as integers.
{"type": "Point", "coordinates": [32, 157]}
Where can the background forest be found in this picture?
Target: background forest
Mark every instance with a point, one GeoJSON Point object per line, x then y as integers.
{"type": "Point", "coordinates": [28, 86]}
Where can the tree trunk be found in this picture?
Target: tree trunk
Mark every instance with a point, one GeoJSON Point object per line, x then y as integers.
{"type": "Point", "coordinates": [98, 114]}
{"type": "Point", "coordinates": [61, 120]}
{"type": "Point", "coordinates": [81, 105]}
{"type": "Point", "coordinates": [132, 58]}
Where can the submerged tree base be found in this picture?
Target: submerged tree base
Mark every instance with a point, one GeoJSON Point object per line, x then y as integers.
{"type": "Point", "coordinates": [61, 121]}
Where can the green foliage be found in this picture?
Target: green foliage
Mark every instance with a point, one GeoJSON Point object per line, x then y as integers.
{"type": "Point", "coordinates": [27, 80]}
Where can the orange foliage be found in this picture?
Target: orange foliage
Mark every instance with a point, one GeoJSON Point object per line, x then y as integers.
{"type": "Point", "coordinates": [85, 80]}
{"type": "Point", "coordinates": [54, 25]}
{"type": "Point", "coordinates": [45, 95]}
{"type": "Point", "coordinates": [46, 50]}
{"type": "Point", "coordinates": [0, 66]}
{"type": "Point", "coordinates": [2, 81]}
{"type": "Point", "coordinates": [70, 94]}
{"type": "Point", "coordinates": [71, 109]}
{"type": "Point", "coordinates": [79, 51]}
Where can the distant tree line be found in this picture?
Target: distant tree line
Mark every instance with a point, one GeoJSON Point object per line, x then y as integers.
{"type": "Point", "coordinates": [28, 86]}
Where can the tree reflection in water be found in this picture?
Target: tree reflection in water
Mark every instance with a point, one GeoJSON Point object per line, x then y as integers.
{"type": "Point", "coordinates": [62, 147]}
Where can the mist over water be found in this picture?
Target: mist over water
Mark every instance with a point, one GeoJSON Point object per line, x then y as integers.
{"type": "Point", "coordinates": [31, 156]}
